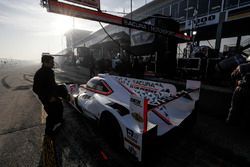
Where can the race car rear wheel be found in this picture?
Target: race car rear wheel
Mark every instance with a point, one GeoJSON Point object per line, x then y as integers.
{"type": "Point", "coordinates": [111, 129]}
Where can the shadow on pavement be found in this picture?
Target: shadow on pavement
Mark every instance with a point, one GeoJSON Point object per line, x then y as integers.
{"type": "Point", "coordinates": [48, 154]}
{"type": "Point", "coordinates": [77, 143]}
{"type": "Point", "coordinates": [80, 143]}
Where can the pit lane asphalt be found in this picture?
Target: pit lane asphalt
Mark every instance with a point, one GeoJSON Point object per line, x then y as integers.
{"type": "Point", "coordinates": [79, 143]}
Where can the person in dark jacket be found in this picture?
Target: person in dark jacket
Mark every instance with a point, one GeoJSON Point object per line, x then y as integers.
{"type": "Point", "coordinates": [91, 66]}
{"type": "Point", "coordinates": [49, 92]}
{"type": "Point", "coordinates": [239, 111]}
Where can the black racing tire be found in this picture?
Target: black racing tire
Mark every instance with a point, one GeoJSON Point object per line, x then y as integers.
{"type": "Point", "coordinates": [111, 130]}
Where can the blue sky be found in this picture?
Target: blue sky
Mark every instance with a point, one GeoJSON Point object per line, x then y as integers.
{"type": "Point", "coordinates": [27, 29]}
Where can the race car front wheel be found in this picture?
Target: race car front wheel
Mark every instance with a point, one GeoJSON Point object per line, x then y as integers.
{"type": "Point", "coordinates": [110, 128]}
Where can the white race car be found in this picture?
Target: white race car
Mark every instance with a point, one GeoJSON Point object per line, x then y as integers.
{"type": "Point", "coordinates": [129, 110]}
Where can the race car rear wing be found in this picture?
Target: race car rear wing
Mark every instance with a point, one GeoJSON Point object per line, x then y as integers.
{"type": "Point", "coordinates": [140, 109]}
{"type": "Point", "coordinates": [149, 96]}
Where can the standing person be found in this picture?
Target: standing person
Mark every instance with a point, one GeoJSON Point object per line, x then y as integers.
{"type": "Point", "coordinates": [48, 92]}
{"type": "Point", "coordinates": [135, 69]}
{"type": "Point", "coordinates": [185, 53]}
{"type": "Point", "coordinates": [91, 66]}
{"type": "Point", "coordinates": [240, 107]}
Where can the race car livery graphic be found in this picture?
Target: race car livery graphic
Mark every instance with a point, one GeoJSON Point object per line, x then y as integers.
{"type": "Point", "coordinates": [133, 108]}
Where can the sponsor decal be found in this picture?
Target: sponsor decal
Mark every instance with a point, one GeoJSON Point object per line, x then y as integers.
{"type": "Point", "coordinates": [137, 117]}
{"type": "Point", "coordinates": [145, 27]}
{"type": "Point", "coordinates": [136, 102]}
{"type": "Point", "coordinates": [132, 135]}
{"type": "Point", "coordinates": [129, 142]}
{"type": "Point", "coordinates": [138, 108]}
{"type": "Point", "coordinates": [156, 92]}
{"type": "Point", "coordinates": [143, 85]}
{"type": "Point", "coordinates": [132, 150]}
{"type": "Point", "coordinates": [135, 24]}
{"type": "Point", "coordinates": [202, 21]}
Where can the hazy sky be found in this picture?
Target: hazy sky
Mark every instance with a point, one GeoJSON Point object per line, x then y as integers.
{"type": "Point", "coordinates": [27, 29]}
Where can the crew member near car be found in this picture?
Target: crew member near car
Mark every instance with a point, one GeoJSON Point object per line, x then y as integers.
{"type": "Point", "coordinates": [49, 92]}
{"type": "Point", "coordinates": [239, 111]}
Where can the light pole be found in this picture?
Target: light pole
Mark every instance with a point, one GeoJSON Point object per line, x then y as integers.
{"type": "Point", "coordinates": [193, 28]}
{"type": "Point", "coordinates": [131, 6]}
{"type": "Point", "coordinates": [194, 32]}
